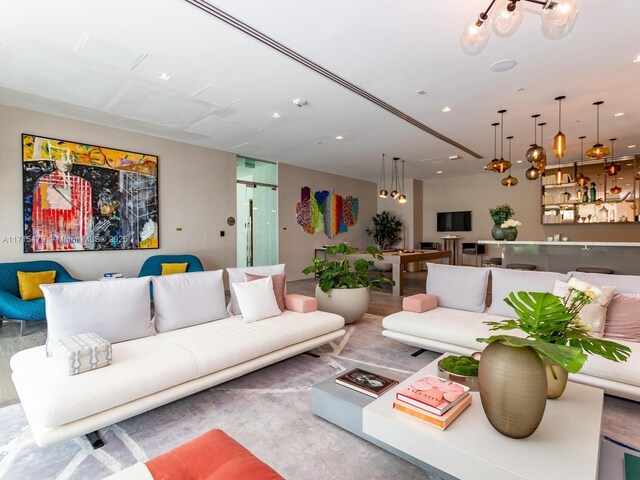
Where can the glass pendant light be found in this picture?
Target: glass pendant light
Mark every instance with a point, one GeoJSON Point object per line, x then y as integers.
{"type": "Point", "coordinates": [535, 152]}
{"type": "Point", "coordinates": [598, 150]}
{"type": "Point", "coordinates": [508, 18]}
{"type": "Point", "coordinates": [532, 173]}
{"type": "Point", "coordinates": [580, 178]}
{"type": "Point", "coordinates": [612, 168]}
{"type": "Point", "coordinates": [542, 162]}
{"type": "Point", "coordinates": [475, 35]}
{"type": "Point", "coordinates": [402, 198]}
{"type": "Point", "coordinates": [559, 14]}
{"type": "Point", "coordinates": [560, 140]}
{"type": "Point", "coordinates": [383, 192]}
{"type": "Point", "coordinates": [503, 165]}
{"type": "Point", "coordinates": [493, 164]}
{"type": "Point", "coordinates": [394, 175]}
{"type": "Point", "coordinates": [509, 181]}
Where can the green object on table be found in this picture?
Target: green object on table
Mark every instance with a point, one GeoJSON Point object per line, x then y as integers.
{"type": "Point", "coordinates": [465, 366]}
{"type": "Point", "coordinates": [631, 467]}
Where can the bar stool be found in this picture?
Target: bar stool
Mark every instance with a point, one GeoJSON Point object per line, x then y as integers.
{"type": "Point", "coordinates": [606, 271]}
{"type": "Point", "coordinates": [492, 262]}
{"type": "Point", "coordinates": [520, 266]}
{"type": "Point", "coordinates": [472, 248]}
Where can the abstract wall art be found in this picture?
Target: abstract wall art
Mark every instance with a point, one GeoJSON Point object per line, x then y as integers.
{"type": "Point", "coordinates": [84, 197]}
{"type": "Point", "coordinates": [324, 211]}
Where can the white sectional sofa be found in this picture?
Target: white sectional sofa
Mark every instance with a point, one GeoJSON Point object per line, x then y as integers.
{"type": "Point", "coordinates": [194, 346]}
{"type": "Point", "coordinates": [458, 320]}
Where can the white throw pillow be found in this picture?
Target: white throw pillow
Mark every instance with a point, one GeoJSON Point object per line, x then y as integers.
{"type": "Point", "coordinates": [185, 299]}
{"type": "Point", "coordinates": [236, 275]}
{"type": "Point", "coordinates": [462, 288]}
{"type": "Point", "coordinates": [117, 311]}
{"type": "Point", "coordinates": [592, 313]}
{"type": "Point", "coordinates": [256, 299]}
{"type": "Point", "coordinates": [504, 281]}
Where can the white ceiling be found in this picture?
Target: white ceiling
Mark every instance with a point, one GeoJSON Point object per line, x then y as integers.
{"type": "Point", "coordinates": [99, 60]}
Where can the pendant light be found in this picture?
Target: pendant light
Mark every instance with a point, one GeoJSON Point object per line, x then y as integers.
{"type": "Point", "coordinates": [394, 176]}
{"type": "Point", "coordinates": [383, 192]}
{"type": "Point", "coordinates": [542, 163]}
{"type": "Point", "coordinates": [402, 198]}
{"type": "Point", "coordinates": [560, 140]}
{"type": "Point", "coordinates": [503, 165]}
{"type": "Point", "coordinates": [535, 152]}
{"type": "Point", "coordinates": [509, 181]}
{"type": "Point", "coordinates": [580, 178]}
{"type": "Point", "coordinates": [612, 168]}
{"type": "Point", "coordinates": [598, 150]}
{"type": "Point", "coordinates": [493, 164]}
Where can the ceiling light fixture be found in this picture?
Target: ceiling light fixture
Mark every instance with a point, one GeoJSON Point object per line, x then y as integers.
{"type": "Point", "coordinates": [446, 109]}
{"type": "Point", "coordinates": [383, 180]}
{"type": "Point", "coordinates": [402, 198]}
{"type": "Point", "coordinates": [164, 76]}
{"type": "Point", "coordinates": [299, 102]}
{"type": "Point", "coordinates": [339, 137]}
{"type": "Point", "coordinates": [560, 140]}
{"type": "Point", "coordinates": [542, 163]}
{"type": "Point", "coordinates": [503, 165]}
{"type": "Point", "coordinates": [598, 150]}
{"type": "Point", "coordinates": [580, 178]}
{"type": "Point", "coordinates": [439, 171]}
{"type": "Point", "coordinates": [636, 59]}
{"type": "Point", "coordinates": [535, 153]}
{"type": "Point", "coordinates": [612, 168]}
{"type": "Point", "coordinates": [631, 146]}
{"type": "Point", "coordinates": [557, 21]}
{"type": "Point", "coordinates": [509, 181]}
{"type": "Point", "coordinates": [275, 115]}
{"type": "Point", "coordinates": [493, 164]}
{"type": "Point", "coordinates": [619, 114]}
{"type": "Point", "coordinates": [394, 177]}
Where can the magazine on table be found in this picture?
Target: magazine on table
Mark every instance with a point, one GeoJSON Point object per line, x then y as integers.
{"type": "Point", "coordinates": [369, 383]}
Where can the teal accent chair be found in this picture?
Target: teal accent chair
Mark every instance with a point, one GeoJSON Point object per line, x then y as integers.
{"type": "Point", "coordinates": [12, 307]}
{"type": "Point", "coordinates": [153, 264]}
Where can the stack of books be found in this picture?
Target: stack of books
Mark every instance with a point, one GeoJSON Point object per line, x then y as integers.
{"type": "Point", "coordinates": [366, 382]}
{"type": "Point", "coordinates": [434, 400]}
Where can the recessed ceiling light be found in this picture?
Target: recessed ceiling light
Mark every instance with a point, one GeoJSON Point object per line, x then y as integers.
{"type": "Point", "coordinates": [275, 115]}
{"type": "Point", "coordinates": [299, 102]}
{"type": "Point", "coordinates": [454, 157]}
{"type": "Point", "coordinates": [446, 109]}
{"type": "Point", "coordinates": [421, 92]}
{"type": "Point", "coordinates": [631, 146]}
{"type": "Point", "coordinates": [621, 178]}
{"type": "Point", "coordinates": [521, 89]}
{"type": "Point", "coordinates": [636, 59]}
{"type": "Point", "coordinates": [629, 164]}
{"type": "Point", "coordinates": [439, 171]}
{"type": "Point", "coordinates": [519, 161]}
{"type": "Point", "coordinates": [339, 137]}
{"type": "Point", "coordinates": [503, 65]}
{"type": "Point", "coordinates": [619, 114]}
{"type": "Point", "coordinates": [164, 76]}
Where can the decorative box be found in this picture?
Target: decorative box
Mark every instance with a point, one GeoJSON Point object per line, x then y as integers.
{"type": "Point", "coordinates": [81, 353]}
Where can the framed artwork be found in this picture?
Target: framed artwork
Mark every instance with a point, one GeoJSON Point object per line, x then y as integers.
{"type": "Point", "coordinates": [80, 197]}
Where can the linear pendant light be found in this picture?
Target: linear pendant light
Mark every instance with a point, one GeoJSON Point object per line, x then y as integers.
{"type": "Point", "coordinates": [492, 166]}
{"type": "Point", "coordinates": [394, 175]}
{"type": "Point", "coordinates": [402, 198]}
{"type": "Point", "coordinates": [383, 191]}
{"type": "Point", "coordinates": [560, 140]}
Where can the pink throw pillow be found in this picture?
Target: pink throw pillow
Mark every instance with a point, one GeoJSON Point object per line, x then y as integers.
{"type": "Point", "coordinates": [279, 282]}
{"type": "Point", "coordinates": [419, 303]}
{"type": "Point", "coordinates": [623, 317]}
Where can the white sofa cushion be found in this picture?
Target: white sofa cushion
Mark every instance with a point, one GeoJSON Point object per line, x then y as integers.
{"type": "Point", "coordinates": [463, 288]}
{"type": "Point", "coordinates": [504, 281]}
{"type": "Point", "coordinates": [623, 283]}
{"type": "Point", "coordinates": [117, 311]}
{"type": "Point", "coordinates": [236, 275]}
{"type": "Point", "coordinates": [185, 299]}
{"type": "Point", "coordinates": [625, 372]}
{"type": "Point", "coordinates": [256, 299]}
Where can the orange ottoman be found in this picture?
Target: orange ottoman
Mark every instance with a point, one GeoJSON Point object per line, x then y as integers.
{"type": "Point", "coordinates": [212, 456]}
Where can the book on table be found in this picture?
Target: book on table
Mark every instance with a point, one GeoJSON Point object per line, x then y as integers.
{"type": "Point", "coordinates": [439, 421]}
{"type": "Point", "coordinates": [366, 382]}
{"type": "Point", "coordinates": [433, 394]}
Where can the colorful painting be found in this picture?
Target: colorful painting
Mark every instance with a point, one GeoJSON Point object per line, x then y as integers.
{"type": "Point", "coordinates": [83, 197]}
{"type": "Point", "coordinates": [326, 212]}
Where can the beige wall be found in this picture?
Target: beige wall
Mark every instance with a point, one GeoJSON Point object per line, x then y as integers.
{"type": "Point", "coordinates": [409, 213]}
{"type": "Point", "coordinates": [480, 192]}
{"type": "Point", "coordinates": [296, 246]}
{"type": "Point", "coordinates": [196, 189]}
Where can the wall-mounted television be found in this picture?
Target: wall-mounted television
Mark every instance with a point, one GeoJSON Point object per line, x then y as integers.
{"type": "Point", "coordinates": [454, 221]}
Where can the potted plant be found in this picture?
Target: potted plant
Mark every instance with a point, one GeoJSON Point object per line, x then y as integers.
{"type": "Point", "coordinates": [510, 229]}
{"type": "Point", "coordinates": [556, 342]}
{"type": "Point", "coordinates": [344, 286]}
{"type": "Point", "coordinates": [385, 232]}
{"type": "Point", "coordinates": [500, 214]}
{"type": "Point", "coordinates": [460, 369]}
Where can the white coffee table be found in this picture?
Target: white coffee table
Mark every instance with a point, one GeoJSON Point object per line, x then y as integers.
{"type": "Point", "coordinates": [565, 446]}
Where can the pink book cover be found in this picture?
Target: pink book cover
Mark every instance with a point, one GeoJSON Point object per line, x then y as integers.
{"type": "Point", "coordinates": [434, 394]}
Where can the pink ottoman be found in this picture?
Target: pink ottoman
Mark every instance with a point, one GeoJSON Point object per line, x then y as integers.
{"type": "Point", "coordinates": [421, 302]}
{"type": "Point", "coordinates": [300, 303]}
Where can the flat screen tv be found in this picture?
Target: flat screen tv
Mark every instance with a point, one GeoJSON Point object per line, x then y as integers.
{"type": "Point", "coordinates": [454, 221]}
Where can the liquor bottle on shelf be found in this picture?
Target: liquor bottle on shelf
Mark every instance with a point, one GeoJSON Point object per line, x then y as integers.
{"type": "Point", "coordinates": [592, 191]}
{"type": "Point", "coordinates": [585, 194]}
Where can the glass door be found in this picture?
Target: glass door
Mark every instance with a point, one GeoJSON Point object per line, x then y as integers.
{"type": "Point", "coordinates": [257, 212]}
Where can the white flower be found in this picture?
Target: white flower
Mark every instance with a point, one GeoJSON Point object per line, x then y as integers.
{"type": "Point", "coordinates": [579, 285]}
{"type": "Point", "coordinates": [511, 223]}
{"type": "Point", "coordinates": [593, 293]}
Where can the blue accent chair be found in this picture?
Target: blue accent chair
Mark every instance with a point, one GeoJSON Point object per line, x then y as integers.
{"type": "Point", "coordinates": [153, 264]}
{"type": "Point", "coordinates": [12, 307]}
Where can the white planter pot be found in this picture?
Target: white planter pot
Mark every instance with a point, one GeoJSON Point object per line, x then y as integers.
{"type": "Point", "coordinates": [349, 303]}
{"type": "Point", "coordinates": [382, 266]}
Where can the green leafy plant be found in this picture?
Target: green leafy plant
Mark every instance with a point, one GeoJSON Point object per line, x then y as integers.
{"type": "Point", "coordinates": [554, 329]}
{"type": "Point", "coordinates": [339, 272]}
{"type": "Point", "coordinates": [465, 366]}
{"type": "Point", "coordinates": [385, 231]}
{"type": "Point", "coordinates": [501, 213]}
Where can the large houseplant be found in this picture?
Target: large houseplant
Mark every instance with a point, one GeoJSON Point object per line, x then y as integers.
{"type": "Point", "coordinates": [385, 231]}
{"type": "Point", "coordinates": [344, 286]}
{"type": "Point", "coordinates": [500, 214]}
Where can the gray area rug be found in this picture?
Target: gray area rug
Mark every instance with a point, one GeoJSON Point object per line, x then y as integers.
{"type": "Point", "coordinates": [268, 411]}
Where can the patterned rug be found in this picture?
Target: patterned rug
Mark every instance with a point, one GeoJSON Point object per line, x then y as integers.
{"type": "Point", "coordinates": [268, 411]}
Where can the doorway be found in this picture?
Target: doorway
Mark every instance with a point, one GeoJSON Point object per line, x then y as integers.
{"type": "Point", "coordinates": [257, 212]}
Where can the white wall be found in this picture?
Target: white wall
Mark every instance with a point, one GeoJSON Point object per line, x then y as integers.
{"type": "Point", "coordinates": [196, 193]}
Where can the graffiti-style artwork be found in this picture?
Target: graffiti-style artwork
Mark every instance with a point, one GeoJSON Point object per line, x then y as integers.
{"type": "Point", "coordinates": [83, 197]}
{"type": "Point", "coordinates": [324, 211]}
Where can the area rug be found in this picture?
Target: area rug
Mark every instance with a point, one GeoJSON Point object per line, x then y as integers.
{"type": "Point", "coordinates": [268, 411]}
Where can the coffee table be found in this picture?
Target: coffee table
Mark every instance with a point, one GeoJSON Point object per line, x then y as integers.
{"type": "Point", "coordinates": [565, 446]}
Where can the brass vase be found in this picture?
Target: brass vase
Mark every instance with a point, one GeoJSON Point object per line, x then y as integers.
{"type": "Point", "coordinates": [557, 377]}
{"type": "Point", "coordinates": [513, 388]}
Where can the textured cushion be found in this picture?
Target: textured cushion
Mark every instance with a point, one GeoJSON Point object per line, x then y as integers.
{"type": "Point", "coordinates": [81, 353]}
{"type": "Point", "coordinates": [420, 302]}
{"type": "Point", "coordinates": [170, 268]}
{"type": "Point", "coordinates": [117, 311]}
{"type": "Point", "coordinates": [256, 299]}
{"type": "Point", "coordinates": [594, 313]}
{"type": "Point", "coordinates": [279, 282]}
{"type": "Point", "coordinates": [29, 283]}
{"type": "Point", "coordinates": [186, 299]}
{"type": "Point", "coordinates": [623, 317]}
{"type": "Point", "coordinates": [300, 303]}
{"type": "Point", "coordinates": [463, 288]}
{"type": "Point", "coordinates": [505, 281]}
{"type": "Point", "coordinates": [623, 283]}
{"type": "Point", "coordinates": [236, 275]}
